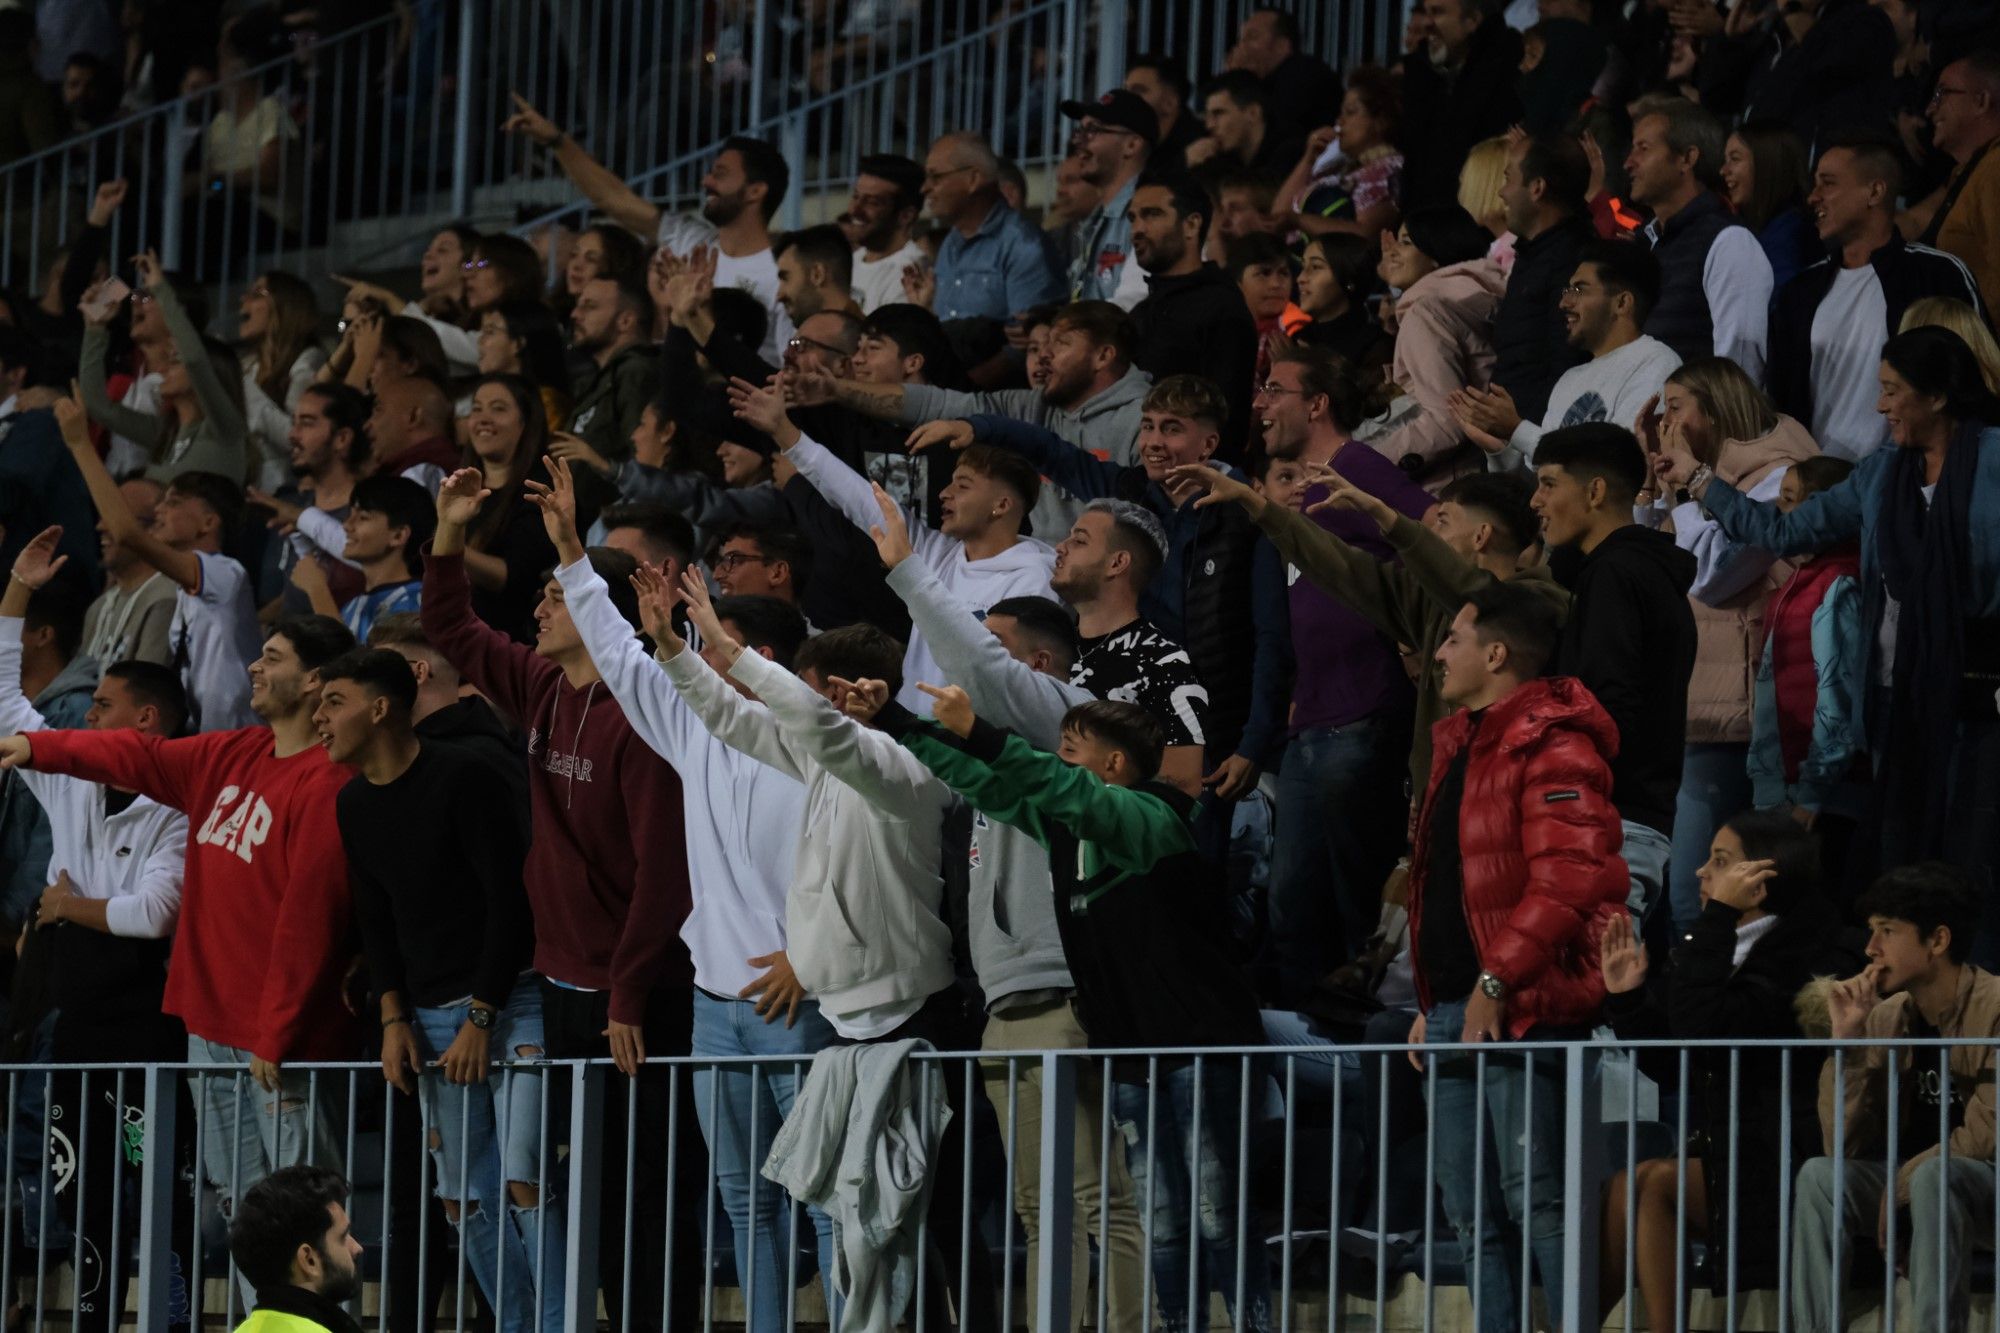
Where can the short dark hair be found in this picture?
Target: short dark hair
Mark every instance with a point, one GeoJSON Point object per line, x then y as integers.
{"type": "Point", "coordinates": [281, 1212]}
{"type": "Point", "coordinates": [60, 605]}
{"type": "Point", "coordinates": [1558, 161]}
{"type": "Point", "coordinates": [1597, 450]}
{"type": "Point", "coordinates": [765, 622]}
{"type": "Point", "coordinates": [740, 316]}
{"type": "Point", "coordinates": [1282, 23]}
{"type": "Point", "coordinates": [1821, 472]}
{"type": "Point", "coordinates": [1136, 532]}
{"type": "Point", "coordinates": [1010, 469]}
{"type": "Point", "coordinates": [657, 523]}
{"type": "Point", "coordinates": [1123, 726]}
{"type": "Point", "coordinates": [1938, 364]}
{"type": "Point", "coordinates": [1044, 620]}
{"type": "Point", "coordinates": [1103, 323]}
{"type": "Point", "coordinates": [1928, 895]}
{"type": "Point", "coordinates": [1773, 835]}
{"type": "Point", "coordinates": [154, 684]}
{"type": "Point", "coordinates": [345, 408]}
{"type": "Point", "coordinates": [825, 245]}
{"type": "Point", "coordinates": [410, 339]}
{"type": "Point", "coordinates": [616, 568]}
{"type": "Point", "coordinates": [1527, 624]}
{"type": "Point", "coordinates": [1877, 155]}
{"type": "Point", "coordinates": [1169, 70]}
{"type": "Point", "coordinates": [406, 504]}
{"type": "Point", "coordinates": [377, 670]}
{"type": "Point", "coordinates": [1241, 87]}
{"type": "Point", "coordinates": [399, 627]}
{"type": "Point", "coordinates": [773, 543]}
{"type": "Point", "coordinates": [1324, 372]}
{"type": "Point", "coordinates": [316, 639]}
{"type": "Point", "coordinates": [853, 652]}
{"type": "Point", "coordinates": [18, 351]}
{"type": "Point", "coordinates": [907, 176]}
{"type": "Point", "coordinates": [1188, 195]}
{"type": "Point", "coordinates": [763, 165]}
{"type": "Point", "coordinates": [1503, 499]}
{"type": "Point", "coordinates": [1626, 269]}
{"type": "Point", "coordinates": [1259, 247]}
{"type": "Point", "coordinates": [918, 332]}
{"type": "Point", "coordinates": [223, 497]}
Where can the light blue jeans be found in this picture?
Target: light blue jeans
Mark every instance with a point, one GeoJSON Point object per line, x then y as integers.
{"type": "Point", "coordinates": [1647, 853]}
{"type": "Point", "coordinates": [1715, 786]}
{"type": "Point", "coordinates": [486, 1136]}
{"type": "Point", "coordinates": [740, 1107]}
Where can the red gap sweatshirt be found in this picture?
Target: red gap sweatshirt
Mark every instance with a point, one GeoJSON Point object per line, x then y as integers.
{"type": "Point", "coordinates": [607, 870]}
{"type": "Point", "coordinates": [264, 933]}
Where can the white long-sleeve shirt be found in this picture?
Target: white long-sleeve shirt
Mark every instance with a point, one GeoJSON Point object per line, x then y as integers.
{"type": "Point", "coordinates": [1613, 387]}
{"type": "Point", "coordinates": [1022, 570]}
{"type": "Point", "coordinates": [1724, 568]}
{"type": "Point", "coordinates": [461, 346]}
{"type": "Point", "coordinates": [133, 860]}
{"type": "Point", "coordinates": [1736, 279]}
{"type": "Point", "coordinates": [742, 816]}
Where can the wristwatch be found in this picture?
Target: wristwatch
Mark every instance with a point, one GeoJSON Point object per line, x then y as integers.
{"type": "Point", "coordinates": [482, 1018]}
{"type": "Point", "coordinates": [1492, 987]}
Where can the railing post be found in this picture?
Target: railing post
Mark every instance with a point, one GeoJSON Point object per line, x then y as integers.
{"type": "Point", "coordinates": [156, 1199]}
{"type": "Point", "coordinates": [586, 1172]}
{"type": "Point", "coordinates": [172, 196]}
{"type": "Point", "coordinates": [461, 146]}
{"type": "Point", "coordinates": [1058, 1147]}
{"type": "Point", "coordinates": [1583, 1172]}
{"type": "Point", "coordinates": [792, 145]}
{"type": "Point", "coordinates": [760, 26]}
{"type": "Point", "coordinates": [1110, 49]}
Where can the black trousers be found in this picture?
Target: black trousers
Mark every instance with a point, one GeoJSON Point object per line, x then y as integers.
{"type": "Point", "coordinates": [573, 1025]}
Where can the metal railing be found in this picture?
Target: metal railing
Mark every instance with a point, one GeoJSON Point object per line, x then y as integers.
{"type": "Point", "coordinates": [1322, 1192]}
{"type": "Point", "coordinates": [387, 130]}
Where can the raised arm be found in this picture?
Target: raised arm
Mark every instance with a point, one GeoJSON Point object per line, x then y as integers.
{"type": "Point", "coordinates": [598, 183]}
{"type": "Point", "coordinates": [33, 568]}
{"type": "Point", "coordinates": [494, 663]}
{"type": "Point", "coordinates": [1824, 519]}
{"type": "Point", "coordinates": [1078, 471]}
{"type": "Point", "coordinates": [180, 566]}
{"type": "Point", "coordinates": [218, 406]}
{"type": "Point", "coordinates": [96, 398]}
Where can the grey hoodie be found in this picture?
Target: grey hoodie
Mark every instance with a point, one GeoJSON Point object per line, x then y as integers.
{"type": "Point", "coordinates": [1011, 915]}
{"type": "Point", "coordinates": [1106, 423]}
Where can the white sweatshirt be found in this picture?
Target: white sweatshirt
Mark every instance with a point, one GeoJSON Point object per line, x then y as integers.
{"type": "Point", "coordinates": [1612, 388]}
{"type": "Point", "coordinates": [1022, 570]}
{"type": "Point", "coordinates": [868, 940]}
{"type": "Point", "coordinates": [133, 860]}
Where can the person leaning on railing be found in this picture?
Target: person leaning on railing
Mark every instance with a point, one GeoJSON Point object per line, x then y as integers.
{"type": "Point", "coordinates": [1763, 932]}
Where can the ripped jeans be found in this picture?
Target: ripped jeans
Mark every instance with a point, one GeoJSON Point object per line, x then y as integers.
{"type": "Point", "coordinates": [246, 1133]}
{"type": "Point", "coordinates": [487, 1141]}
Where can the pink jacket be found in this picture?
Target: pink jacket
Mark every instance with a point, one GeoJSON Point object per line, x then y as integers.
{"type": "Point", "coordinates": [1444, 342]}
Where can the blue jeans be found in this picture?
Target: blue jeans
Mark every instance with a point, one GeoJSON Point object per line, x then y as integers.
{"type": "Point", "coordinates": [1484, 1201]}
{"type": "Point", "coordinates": [1715, 785]}
{"type": "Point", "coordinates": [740, 1107]}
{"type": "Point", "coordinates": [1341, 815]}
{"type": "Point", "coordinates": [1192, 1179]}
{"type": "Point", "coordinates": [1647, 855]}
{"type": "Point", "coordinates": [486, 1136]}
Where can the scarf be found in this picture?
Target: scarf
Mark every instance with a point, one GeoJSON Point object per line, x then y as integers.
{"type": "Point", "coordinates": [1926, 567]}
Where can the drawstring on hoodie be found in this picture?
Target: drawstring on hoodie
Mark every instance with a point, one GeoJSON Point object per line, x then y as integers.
{"type": "Point", "coordinates": [555, 706]}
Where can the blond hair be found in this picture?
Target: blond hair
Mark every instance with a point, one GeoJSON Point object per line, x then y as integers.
{"type": "Point", "coordinates": [1735, 407]}
{"type": "Point", "coordinates": [1948, 312]}
{"type": "Point", "coordinates": [1479, 184]}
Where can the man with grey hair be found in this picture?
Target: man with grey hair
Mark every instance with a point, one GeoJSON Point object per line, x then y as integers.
{"type": "Point", "coordinates": [992, 264]}
{"type": "Point", "coordinates": [1715, 280]}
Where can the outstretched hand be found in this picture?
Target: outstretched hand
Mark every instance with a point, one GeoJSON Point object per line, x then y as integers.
{"type": "Point", "coordinates": [951, 707]}
{"type": "Point", "coordinates": [1220, 487]}
{"type": "Point", "coordinates": [892, 534]}
{"type": "Point", "coordinates": [956, 434]}
{"type": "Point", "coordinates": [38, 562]}
{"type": "Point", "coordinates": [701, 610]}
{"type": "Point", "coordinates": [460, 496]}
{"type": "Point", "coordinates": [657, 599]}
{"type": "Point", "coordinates": [557, 501]}
{"type": "Point", "coordinates": [531, 123]}
{"type": "Point", "coordinates": [1344, 494]}
{"type": "Point", "coordinates": [73, 420]}
{"type": "Point", "coordinates": [764, 408]}
{"type": "Point", "coordinates": [1620, 959]}
{"type": "Point", "coordinates": [859, 699]}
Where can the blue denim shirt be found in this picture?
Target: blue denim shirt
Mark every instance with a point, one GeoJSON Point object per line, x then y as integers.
{"type": "Point", "coordinates": [1002, 270]}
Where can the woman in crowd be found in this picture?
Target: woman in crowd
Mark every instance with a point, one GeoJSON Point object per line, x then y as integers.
{"type": "Point", "coordinates": [500, 269]}
{"type": "Point", "coordinates": [1717, 412]}
{"type": "Point", "coordinates": [1950, 313]}
{"type": "Point", "coordinates": [1764, 174]}
{"type": "Point", "coordinates": [1444, 337]}
{"type": "Point", "coordinates": [1356, 193]}
{"type": "Point", "coordinates": [506, 549]}
{"type": "Point", "coordinates": [279, 320]}
{"type": "Point", "coordinates": [1927, 514]}
{"type": "Point", "coordinates": [603, 251]}
{"type": "Point", "coordinates": [1762, 933]}
{"type": "Point", "coordinates": [523, 338]}
{"type": "Point", "coordinates": [1479, 195]}
{"type": "Point", "coordinates": [441, 273]}
{"type": "Point", "coordinates": [200, 427]}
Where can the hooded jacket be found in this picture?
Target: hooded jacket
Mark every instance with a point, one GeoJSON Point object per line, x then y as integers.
{"type": "Point", "coordinates": [607, 869]}
{"type": "Point", "coordinates": [1538, 844]}
{"type": "Point", "coordinates": [1444, 342]}
{"type": "Point", "coordinates": [1141, 913]}
{"type": "Point", "coordinates": [1630, 640]}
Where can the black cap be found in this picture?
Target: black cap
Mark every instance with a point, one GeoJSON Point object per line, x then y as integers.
{"type": "Point", "coordinates": [1126, 110]}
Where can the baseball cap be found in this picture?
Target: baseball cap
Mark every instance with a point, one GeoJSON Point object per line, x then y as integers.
{"type": "Point", "coordinates": [1124, 109]}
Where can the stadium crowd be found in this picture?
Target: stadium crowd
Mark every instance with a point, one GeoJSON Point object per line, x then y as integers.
{"type": "Point", "coordinates": [1483, 550]}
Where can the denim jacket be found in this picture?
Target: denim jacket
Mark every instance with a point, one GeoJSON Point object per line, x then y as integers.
{"type": "Point", "coordinates": [999, 272]}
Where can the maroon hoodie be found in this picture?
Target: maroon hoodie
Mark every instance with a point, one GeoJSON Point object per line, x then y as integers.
{"type": "Point", "coordinates": [607, 871]}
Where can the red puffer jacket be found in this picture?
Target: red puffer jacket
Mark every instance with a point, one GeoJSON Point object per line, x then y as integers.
{"type": "Point", "coordinates": [1538, 842]}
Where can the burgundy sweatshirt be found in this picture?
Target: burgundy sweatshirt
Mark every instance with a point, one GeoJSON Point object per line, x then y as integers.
{"type": "Point", "coordinates": [607, 870]}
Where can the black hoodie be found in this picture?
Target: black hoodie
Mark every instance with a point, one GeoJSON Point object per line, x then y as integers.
{"type": "Point", "coordinates": [1630, 639]}
{"type": "Point", "coordinates": [1196, 324]}
{"type": "Point", "coordinates": [475, 726]}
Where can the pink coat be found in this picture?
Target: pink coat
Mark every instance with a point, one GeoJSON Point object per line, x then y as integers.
{"type": "Point", "coordinates": [1444, 342]}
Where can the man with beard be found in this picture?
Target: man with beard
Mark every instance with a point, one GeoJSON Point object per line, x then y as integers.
{"type": "Point", "coordinates": [611, 325]}
{"type": "Point", "coordinates": [882, 210]}
{"type": "Point", "coordinates": [294, 1243]}
{"type": "Point", "coordinates": [1193, 320]}
{"type": "Point", "coordinates": [1459, 87]}
{"type": "Point", "coordinates": [739, 197]}
{"type": "Point", "coordinates": [1114, 137]}
{"type": "Point", "coordinates": [815, 273]}
{"type": "Point", "coordinates": [329, 452]}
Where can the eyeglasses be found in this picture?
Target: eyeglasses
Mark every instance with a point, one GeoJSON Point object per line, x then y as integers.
{"type": "Point", "coordinates": [1939, 93]}
{"type": "Point", "coordinates": [1273, 389]}
{"type": "Point", "coordinates": [933, 177]}
{"type": "Point", "coordinates": [1089, 131]}
{"type": "Point", "coordinates": [729, 560]}
{"type": "Point", "coordinates": [1577, 289]}
{"type": "Point", "coordinates": [472, 264]}
{"type": "Point", "coordinates": [799, 343]}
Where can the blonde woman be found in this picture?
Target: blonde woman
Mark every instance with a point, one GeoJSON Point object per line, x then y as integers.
{"type": "Point", "coordinates": [278, 320]}
{"type": "Point", "coordinates": [1479, 194]}
{"type": "Point", "coordinates": [1950, 313]}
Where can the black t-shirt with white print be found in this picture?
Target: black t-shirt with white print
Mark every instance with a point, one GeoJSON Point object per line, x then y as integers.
{"type": "Point", "coordinates": [1137, 664]}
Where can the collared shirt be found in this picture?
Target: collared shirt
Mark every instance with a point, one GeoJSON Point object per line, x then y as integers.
{"type": "Point", "coordinates": [999, 271]}
{"type": "Point", "coordinates": [1103, 269]}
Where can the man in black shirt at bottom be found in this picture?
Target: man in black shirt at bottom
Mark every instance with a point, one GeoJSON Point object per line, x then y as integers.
{"type": "Point", "coordinates": [435, 865]}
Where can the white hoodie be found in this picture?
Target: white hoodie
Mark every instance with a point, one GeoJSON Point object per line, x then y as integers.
{"type": "Point", "coordinates": [867, 938]}
{"type": "Point", "coordinates": [742, 817]}
{"type": "Point", "coordinates": [1022, 570]}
